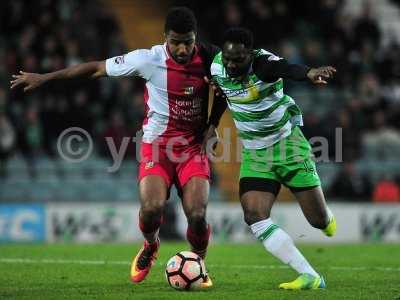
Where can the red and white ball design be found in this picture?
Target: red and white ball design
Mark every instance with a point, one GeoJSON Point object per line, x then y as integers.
{"type": "Point", "coordinates": [185, 271]}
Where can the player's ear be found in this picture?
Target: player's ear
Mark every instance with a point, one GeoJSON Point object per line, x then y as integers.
{"type": "Point", "coordinates": [166, 32]}
{"type": "Point", "coordinates": [252, 53]}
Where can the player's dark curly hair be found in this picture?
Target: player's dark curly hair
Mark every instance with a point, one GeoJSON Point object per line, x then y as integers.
{"type": "Point", "coordinates": [181, 20]}
{"type": "Point", "coordinates": [239, 35]}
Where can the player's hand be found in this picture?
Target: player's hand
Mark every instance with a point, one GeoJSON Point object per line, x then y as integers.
{"type": "Point", "coordinates": [321, 75]}
{"type": "Point", "coordinates": [29, 81]}
{"type": "Point", "coordinates": [210, 140]}
{"type": "Point", "coordinates": [217, 90]}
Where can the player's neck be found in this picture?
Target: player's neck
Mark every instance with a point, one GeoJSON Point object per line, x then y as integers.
{"type": "Point", "coordinates": [243, 77]}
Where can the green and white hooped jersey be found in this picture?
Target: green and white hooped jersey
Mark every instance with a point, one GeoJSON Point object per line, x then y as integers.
{"type": "Point", "coordinates": [262, 113]}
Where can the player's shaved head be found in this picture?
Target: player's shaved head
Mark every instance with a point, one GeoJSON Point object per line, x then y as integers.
{"type": "Point", "coordinates": [239, 35]}
{"type": "Point", "coordinates": [180, 20]}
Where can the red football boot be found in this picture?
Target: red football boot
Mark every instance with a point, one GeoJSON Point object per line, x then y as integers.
{"type": "Point", "coordinates": [143, 261]}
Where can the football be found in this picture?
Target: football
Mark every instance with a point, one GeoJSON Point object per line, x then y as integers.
{"type": "Point", "coordinates": [185, 271]}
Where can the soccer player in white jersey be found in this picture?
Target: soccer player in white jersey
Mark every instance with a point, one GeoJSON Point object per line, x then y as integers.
{"type": "Point", "coordinates": [275, 151]}
{"type": "Point", "coordinates": [176, 128]}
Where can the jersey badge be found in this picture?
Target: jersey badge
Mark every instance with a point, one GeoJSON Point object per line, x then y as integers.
{"type": "Point", "coordinates": [189, 90]}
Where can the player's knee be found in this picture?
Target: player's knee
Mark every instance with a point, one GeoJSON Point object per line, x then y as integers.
{"type": "Point", "coordinates": [197, 218]}
{"type": "Point", "coordinates": [152, 209]}
{"type": "Point", "coordinates": [253, 216]}
{"type": "Point", "coordinates": [197, 215]}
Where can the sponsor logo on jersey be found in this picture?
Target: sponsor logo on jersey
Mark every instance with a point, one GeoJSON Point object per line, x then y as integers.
{"type": "Point", "coordinates": [149, 165]}
{"type": "Point", "coordinates": [119, 59]}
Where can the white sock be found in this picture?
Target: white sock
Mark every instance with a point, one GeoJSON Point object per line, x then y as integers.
{"type": "Point", "coordinates": [279, 244]}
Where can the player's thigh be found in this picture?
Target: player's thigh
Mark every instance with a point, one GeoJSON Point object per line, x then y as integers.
{"type": "Point", "coordinates": [193, 183]}
{"type": "Point", "coordinates": [300, 175]}
{"type": "Point", "coordinates": [313, 204]}
{"type": "Point", "coordinates": [155, 177]}
{"type": "Point", "coordinates": [257, 196]}
{"type": "Point", "coordinates": [195, 194]}
{"type": "Point", "coordinates": [153, 192]}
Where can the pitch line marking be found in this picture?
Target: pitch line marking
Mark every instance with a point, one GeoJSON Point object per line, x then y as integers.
{"type": "Point", "coordinates": [126, 263]}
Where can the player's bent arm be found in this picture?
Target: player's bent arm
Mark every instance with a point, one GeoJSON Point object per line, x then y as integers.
{"type": "Point", "coordinates": [270, 70]}
{"type": "Point", "coordinates": [217, 110]}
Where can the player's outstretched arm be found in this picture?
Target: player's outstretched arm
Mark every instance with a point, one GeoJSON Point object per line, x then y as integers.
{"type": "Point", "coordinates": [31, 81]}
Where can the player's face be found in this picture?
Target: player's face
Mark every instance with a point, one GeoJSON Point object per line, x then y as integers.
{"type": "Point", "coordinates": [236, 59]}
{"type": "Point", "coordinates": [181, 45]}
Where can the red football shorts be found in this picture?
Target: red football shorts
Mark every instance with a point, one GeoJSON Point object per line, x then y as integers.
{"type": "Point", "coordinates": [175, 164]}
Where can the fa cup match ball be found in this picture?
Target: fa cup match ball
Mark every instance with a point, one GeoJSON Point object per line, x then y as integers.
{"type": "Point", "coordinates": [185, 271]}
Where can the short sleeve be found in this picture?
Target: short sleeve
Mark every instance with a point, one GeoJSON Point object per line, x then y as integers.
{"type": "Point", "coordinates": [217, 66]}
{"type": "Point", "coordinates": [270, 55]}
{"type": "Point", "coordinates": [134, 63]}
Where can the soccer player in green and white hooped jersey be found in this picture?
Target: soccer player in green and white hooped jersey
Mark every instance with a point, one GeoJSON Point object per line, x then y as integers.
{"type": "Point", "coordinates": [275, 151]}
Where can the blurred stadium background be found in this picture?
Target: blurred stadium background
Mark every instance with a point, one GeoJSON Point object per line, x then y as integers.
{"type": "Point", "coordinates": [44, 198]}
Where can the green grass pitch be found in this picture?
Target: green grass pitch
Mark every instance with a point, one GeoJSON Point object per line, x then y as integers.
{"type": "Point", "coordinates": [239, 271]}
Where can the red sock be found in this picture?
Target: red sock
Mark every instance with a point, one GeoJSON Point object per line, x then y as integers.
{"type": "Point", "coordinates": [199, 242]}
{"type": "Point", "coordinates": [149, 230]}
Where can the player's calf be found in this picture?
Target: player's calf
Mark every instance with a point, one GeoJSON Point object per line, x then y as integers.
{"type": "Point", "coordinates": [325, 221]}
{"type": "Point", "coordinates": [150, 229]}
{"type": "Point", "coordinates": [198, 239]}
{"type": "Point", "coordinates": [254, 216]}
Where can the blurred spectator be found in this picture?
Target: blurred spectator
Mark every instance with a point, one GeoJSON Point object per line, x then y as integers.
{"type": "Point", "coordinates": [366, 28]}
{"type": "Point", "coordinates": [7, 142]}
{"type": "Point", "coordinates": [233, 15]}
{"type": "Point", "coordinates": [328, 10]}
{"type": "Point", "coordinates": [31, 139]}
{"type": "Point", "coordinates": [272, 15]}
{"type": "Point", "coordinates": [357, 115]}
{"type": "Point", "coordinates": [386, 191]}
{"type": "Point", "coordinates": [351, 141]}
{"type": "Point", "coordinates": [388, 65]}
{"type": "Point", "coordinates": [369, 90]}
{"type": "Point", "coordinates": [80, 114]}
{"type": "Point", "coordinates": [289, 51]}
{"type": "Point", "coordinates": [52, 39]}
{"type": "Point", "coordinates": [135, 111]}
{"type": "Point", "coordinates": [381, 142]}
{"type": "Point", "coordinates": [350, 184]}
{"type": "Point", "coordinates": [118, 135]}
{"type": "Point", "coordinates": [313, 53]}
